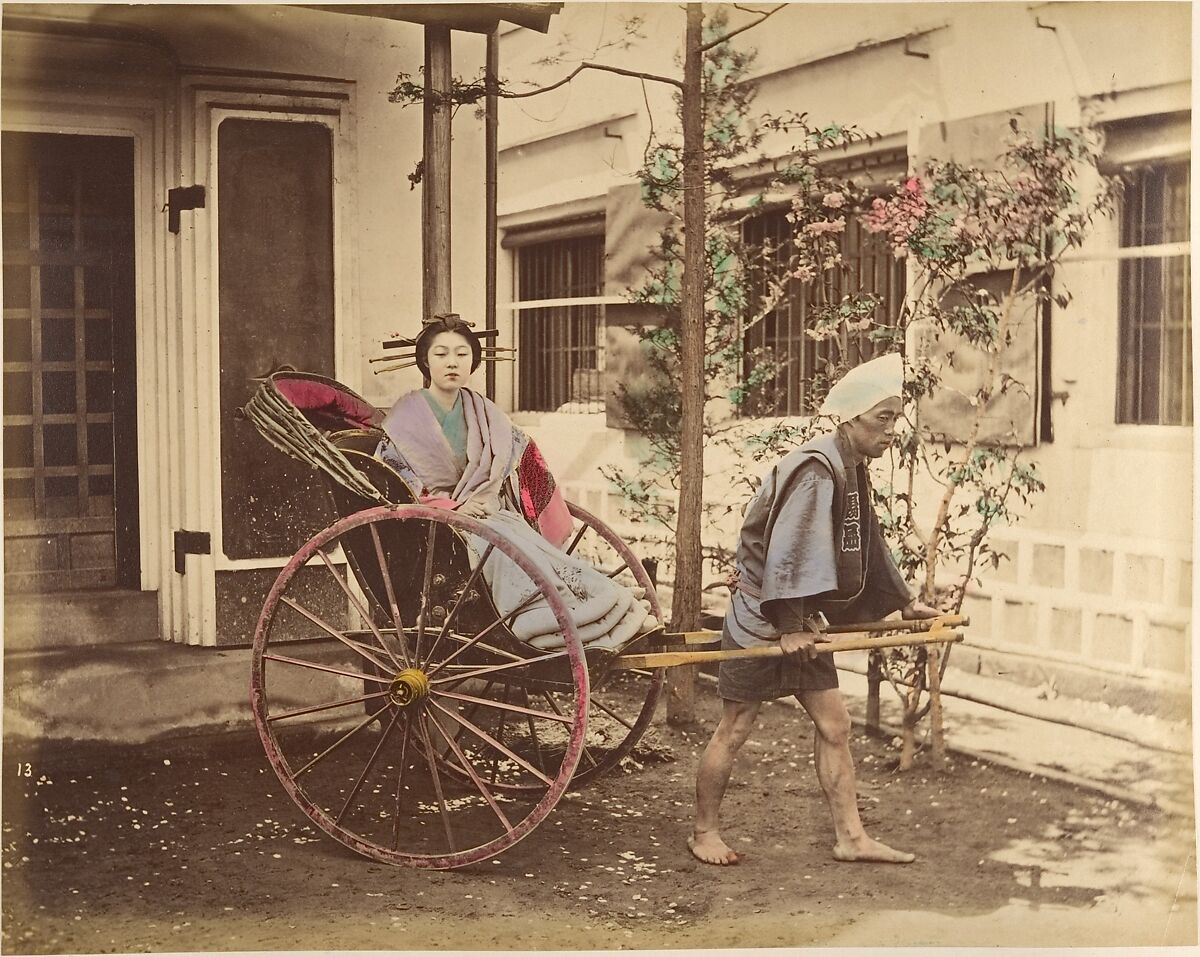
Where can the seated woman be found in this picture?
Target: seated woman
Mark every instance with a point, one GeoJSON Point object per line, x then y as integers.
{"type": "Point", "coordinates": [458, 450]}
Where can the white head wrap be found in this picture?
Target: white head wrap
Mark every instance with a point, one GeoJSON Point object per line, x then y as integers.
{"type": "Point", "coordinates": [865, 386]}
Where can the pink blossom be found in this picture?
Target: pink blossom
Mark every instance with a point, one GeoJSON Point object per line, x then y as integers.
{"type": "Point", "coordinates": [900, 217]}
{"type": "Point", "coordinates": [823, 226]}
{"type": "Point", "coordinates": [834, 200]}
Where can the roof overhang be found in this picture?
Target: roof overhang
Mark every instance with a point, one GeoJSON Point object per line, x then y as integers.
{"type": "Point", "coordinates": [474, 17]}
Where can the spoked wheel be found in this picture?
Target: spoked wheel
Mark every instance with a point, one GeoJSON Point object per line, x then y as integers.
{"type": "Point", "coordinates": [414, 729]}
{"type": "Point", "coordinates": [621, 706]}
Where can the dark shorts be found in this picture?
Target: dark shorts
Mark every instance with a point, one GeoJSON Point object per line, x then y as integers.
{"type": "Point", "coordinates": [764, 679]}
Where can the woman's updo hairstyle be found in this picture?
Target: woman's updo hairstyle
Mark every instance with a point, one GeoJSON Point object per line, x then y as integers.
{"type": "Point", "coordinates": [447, 322]}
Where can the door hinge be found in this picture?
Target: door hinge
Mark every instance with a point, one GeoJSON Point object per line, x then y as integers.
{"type": "Point", "coordinates": [190, 543]}
{"type": "Point", "coordinates": [179, 199]}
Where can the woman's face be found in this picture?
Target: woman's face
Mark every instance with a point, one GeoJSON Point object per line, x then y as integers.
{"type": "Point", "coordinates": [449, 362]}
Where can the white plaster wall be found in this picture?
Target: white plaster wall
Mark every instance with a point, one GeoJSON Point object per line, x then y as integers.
{"type": "Point", "coordinates": [371, 52]}
{"type": "Point", "coordinates": [380, 258]}
{"type": "Point", "coordinates": [1123, 491]}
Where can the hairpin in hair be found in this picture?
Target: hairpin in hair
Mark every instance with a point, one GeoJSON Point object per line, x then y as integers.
{"type": "Point", "coordinates": [449, 322]}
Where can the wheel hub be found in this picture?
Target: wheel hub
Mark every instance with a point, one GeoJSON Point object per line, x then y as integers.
{"type": "Point", "coordinates": [409, 687]}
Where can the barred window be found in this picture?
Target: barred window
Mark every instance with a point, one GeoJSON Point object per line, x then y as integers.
{"type": "Point", "coordinates": [1154, 374]}
{"type": "Point", "coordinates": [871, 269]}
{"type": "Point", "coordinates": [560, 344]}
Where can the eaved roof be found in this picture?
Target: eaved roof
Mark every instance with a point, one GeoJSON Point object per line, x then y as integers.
{"type": "Point", "coordinates": [475, 17]}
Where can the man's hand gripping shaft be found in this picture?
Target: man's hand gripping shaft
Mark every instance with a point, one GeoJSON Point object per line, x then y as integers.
{"type": "Point", "coordinates": [804, 643]}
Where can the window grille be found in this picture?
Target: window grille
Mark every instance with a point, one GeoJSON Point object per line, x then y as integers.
{"type": "Point", "coordinates": [871, 268]}
{"type": "Point", "coordinates": [560, 347]}
{"type": "Point", "coordinates": [1154, 374]}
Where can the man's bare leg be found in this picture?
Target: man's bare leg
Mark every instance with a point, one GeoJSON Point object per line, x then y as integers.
{"type": "Point", "coordinates": [835, 772]}
{"type": "Point", "coordinates": [712, 777]}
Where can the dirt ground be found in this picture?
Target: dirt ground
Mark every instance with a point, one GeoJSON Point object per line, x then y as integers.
{"type": "Point", "coordinates": [194, 847]}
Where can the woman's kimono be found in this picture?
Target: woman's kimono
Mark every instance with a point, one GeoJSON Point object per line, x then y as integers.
{"type": "Point", "coordinates": [469, 453]}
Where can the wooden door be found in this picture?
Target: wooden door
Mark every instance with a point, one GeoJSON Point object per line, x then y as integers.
{"type": "Point", "coordinates": [70, 461]}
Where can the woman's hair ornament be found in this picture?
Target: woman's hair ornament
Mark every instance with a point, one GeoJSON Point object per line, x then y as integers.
{"type": "Point", "coordinates": [417, 347]}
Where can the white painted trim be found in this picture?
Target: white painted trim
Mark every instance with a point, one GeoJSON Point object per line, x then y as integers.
{"type": "Point", "coordinates": [566, 301]}
{"type": "Point", "coordinates": [1142, 101]}
{"type": "Point", "coordinates": [223, 564]}
{"type": "Point", "coordinates": [215, 116]}
{"type": "Point", "coordinates": [192, 439]}
{"type": "Point", "coordinates": [206, 99]}
{"type": "Point", "coordinates": [1156, 251]}
{"type": "Point", "coordinates": [146, 119]}
{"type": "Point", "coordinates": [566, 210]}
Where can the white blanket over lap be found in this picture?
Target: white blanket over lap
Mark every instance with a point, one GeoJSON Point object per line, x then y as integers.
{"type": "Point", "coordinates": [606, 614]}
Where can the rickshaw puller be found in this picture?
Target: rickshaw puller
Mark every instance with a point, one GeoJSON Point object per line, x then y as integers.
{"type": "Point", "coordinates": [810, 543]}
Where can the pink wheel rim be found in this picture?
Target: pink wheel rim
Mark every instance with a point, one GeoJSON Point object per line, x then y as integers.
{"type": "Point", "coordinates": [323, 818]}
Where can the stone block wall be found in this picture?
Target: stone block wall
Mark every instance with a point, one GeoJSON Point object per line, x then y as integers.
{"type": "Point", "coordinates": [1117, 607]}
{"type": "Point", "coordinates": [1111, 604]}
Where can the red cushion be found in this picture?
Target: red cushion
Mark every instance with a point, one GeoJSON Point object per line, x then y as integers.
{"type": "Point", "coordinates": [327, 406]}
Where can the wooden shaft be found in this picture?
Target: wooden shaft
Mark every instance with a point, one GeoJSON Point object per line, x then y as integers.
{"type": "Point", "coordinates": [913, 624]}
{"type": "Point", "coordinates": [916, 624]}
{"type": "Point", "coordinates": [860, 642]}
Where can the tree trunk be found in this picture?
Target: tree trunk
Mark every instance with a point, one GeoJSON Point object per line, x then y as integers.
{"type": "Point", "coordinates": [685, 602]}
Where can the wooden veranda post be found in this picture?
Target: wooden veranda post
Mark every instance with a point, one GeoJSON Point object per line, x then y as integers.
{"type": "Point", "coordinates": [874, 681]}
{"type": "Point", "coordinates": [491, 146]}
{"type": "Point", "coordinates": [435, 182]}
{"type": "Point", "coordinates": [685, 601]}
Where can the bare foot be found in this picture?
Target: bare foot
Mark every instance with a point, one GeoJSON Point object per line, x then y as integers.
{"type": "Point", "coordinates": [708, 847]}
{"type": "Point", "coordinates": [868, 850]}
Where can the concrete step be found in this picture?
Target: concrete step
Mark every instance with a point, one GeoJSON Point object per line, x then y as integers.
{"type": "Point", "coordinates": [138, 692]}
{"type": "Point", "coordinates": [79, 618]}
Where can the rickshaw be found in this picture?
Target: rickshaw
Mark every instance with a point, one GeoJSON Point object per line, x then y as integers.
{"type": "Point", "coordinates": [394, 702]}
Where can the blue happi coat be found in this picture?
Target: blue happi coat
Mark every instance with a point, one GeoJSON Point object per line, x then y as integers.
{"type": "Point", "coordinates": [810, 542]}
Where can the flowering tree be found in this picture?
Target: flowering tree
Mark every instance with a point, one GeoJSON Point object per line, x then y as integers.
{"type": "Point", "coordinates": [982, 245]}
{"type": "Point", "coordinates": [745, 280]}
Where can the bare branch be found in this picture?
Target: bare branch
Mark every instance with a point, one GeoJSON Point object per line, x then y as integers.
{"type": "Point", "coordinates": [981, 532]}
{"type": "Point", "coordinates": [749, 26]}
{"type": "Point", "coordinates": [592, 66]}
